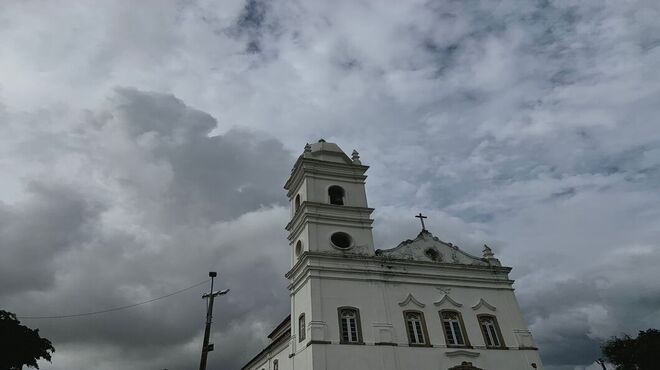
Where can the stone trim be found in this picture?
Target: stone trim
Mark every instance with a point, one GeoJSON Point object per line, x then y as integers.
{"type": "Point", "coordinates": [383, 269]}
{"type": "Point", "coordinates": [462, 352]}
{"type": "Point", "coordinates": [311, 212]}
{"type": "Point", "coordinates": [412, 299]}
{"type": "Point", "coordinates": [447, 298]}
{"type": "Point", "coordinates": [482, 303]}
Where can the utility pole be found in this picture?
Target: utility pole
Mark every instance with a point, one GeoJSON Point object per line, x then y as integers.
{"type": "Point", "coordinates": [206, 347]}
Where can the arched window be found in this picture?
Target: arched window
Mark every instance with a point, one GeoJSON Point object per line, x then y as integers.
{"type": "Point", "coordinates": [301, 327]}
{"type": "Point", "coordinates": [296, 203]}
{"type": "Point", "coordinates": [349, 325]}
{"type": "Point", "coordinates": [276, 365]}
{"type": "Point", "coordinates": [452, 324]}
{"type": "Point", "coordinates": [491, 331]}
{"type": "Point", "coordinates": [336, 195]}
{"type": "Point", "coordinates": [416, 328]}
{"type": "Point", "coordinates": [298, 248]}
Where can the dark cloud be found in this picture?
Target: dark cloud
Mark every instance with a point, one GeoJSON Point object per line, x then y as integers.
{"type": "Point", "coordinates": [33, 233]}
{"type": "Point", "coordinates": [256, 25]}
{"type": "Point", "coordinates": [163, 204]}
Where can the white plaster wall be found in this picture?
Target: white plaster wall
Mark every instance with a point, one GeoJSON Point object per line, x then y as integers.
{"type": "Point", "coordinates": [345, 357]}
{"type": "Point", "coordinates": [319, 236]}
{"type": "Point", "coordinates": [370, 357]}
{"type": "Point", "coordinates": [281, 354]}
{"type": "Point", "coordinates": [382, 321]}
{"type": "Point", "coordinates": [317, 190]}
{"type": "Point", "coordinates": [301, 302]}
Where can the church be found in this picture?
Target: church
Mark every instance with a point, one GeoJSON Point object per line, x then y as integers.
{"type": "Point", "coordinates": [424, 304]}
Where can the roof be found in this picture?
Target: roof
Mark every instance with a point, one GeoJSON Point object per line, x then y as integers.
{"type": "Point", "coordinates": [279, 335]}
{"type": "Point", "coordinates": [328, 159]}
{"type": "Point", "coordinates": [325, 151]}
{"type": "Point", "coordinates": [286, 322]}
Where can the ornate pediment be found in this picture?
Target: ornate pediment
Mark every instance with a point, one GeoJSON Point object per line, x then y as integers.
{"type": "Point", "coordinates": [410, 299]}
{"type": "Point", "coordinates": [446, 299]}
{"type": "Point", "coordinates": [428, 248]}
{"type": "Point", "coordinates": [462, 352]}
{"type": "Point", "coordinates": [483, 303]}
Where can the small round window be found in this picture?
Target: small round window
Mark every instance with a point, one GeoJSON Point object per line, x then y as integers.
{"type": "Point", "coordinates": [432, 254]}
{"type": "Point", "coordinates": [341, 240]}
{"type": "Point", "coordinates": [298, 248]}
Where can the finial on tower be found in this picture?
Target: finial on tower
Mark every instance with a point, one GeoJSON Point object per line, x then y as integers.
{"type": "Point", "coordinates": [321, 140]}
{"type": "Point", "coordinates": [488, 253]}
{"type": "Point", "coordinates": [355, 157]}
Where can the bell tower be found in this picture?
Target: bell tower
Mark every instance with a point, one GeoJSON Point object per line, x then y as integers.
{"type": "Point", "coordinates": [329, 211]}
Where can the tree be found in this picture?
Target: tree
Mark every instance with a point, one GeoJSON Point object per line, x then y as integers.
{"type": "Point", "coordinates": [19, 345]}
{"type": "Point", "coordinates": [639, 353]}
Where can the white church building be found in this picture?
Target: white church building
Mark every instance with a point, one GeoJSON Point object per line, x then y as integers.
{"type": "Point", "coordinates": [424, 304]}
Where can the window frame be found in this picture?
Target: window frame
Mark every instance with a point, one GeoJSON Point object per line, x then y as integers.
{"type": "Point", "coordinates": [358, 325]}
{"type": "Point", "coordinates": [302, 334]}
{"type": "Point", "coordinates": [461, 325]}
{"type": "Point", "coordinates": [276, 365]}
{"type": "Point", "coordinates": [498, 332]}
{"type": "Point", "coordinates": [343, 234]}
{"type": "Point", "coordinates": [425, 333]}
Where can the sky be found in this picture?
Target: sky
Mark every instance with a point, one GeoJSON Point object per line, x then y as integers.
{"type": "Point", "coordinates": [145, 143]}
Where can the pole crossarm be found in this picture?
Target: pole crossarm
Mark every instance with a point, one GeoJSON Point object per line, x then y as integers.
{"type": "Point", "coordinates": [216, 293]}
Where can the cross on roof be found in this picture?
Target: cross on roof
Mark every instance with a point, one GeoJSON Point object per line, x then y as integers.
{"type": "Point", "coordinates": [421, 218]}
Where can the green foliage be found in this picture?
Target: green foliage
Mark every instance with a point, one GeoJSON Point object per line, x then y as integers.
{"type": "Point", "coordinates": [19, 345]}
{"type": "Point", "coordinates": [641, 353]}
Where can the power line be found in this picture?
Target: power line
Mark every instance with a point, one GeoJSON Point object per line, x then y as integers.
{"type": "Point", "coordinates": [111, 309]}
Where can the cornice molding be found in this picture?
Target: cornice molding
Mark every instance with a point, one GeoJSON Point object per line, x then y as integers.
{"type": "Point", "coordinates": [462, 352]}
{"type": "Point", "coordinates": [314, 212]}
{"type": "Point", "coordinates": [317, 168]}
{"type": "Point", "coordinates": [373, 268]}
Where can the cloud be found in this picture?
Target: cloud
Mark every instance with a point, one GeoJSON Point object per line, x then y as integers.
{"type": "Point", "coordinates": [154, 203]}
{"type": "Point", "coordinates": [35, 232]}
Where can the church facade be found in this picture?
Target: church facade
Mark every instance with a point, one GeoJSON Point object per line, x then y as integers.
{"type": "Point", "coordinates": [424, 304]}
